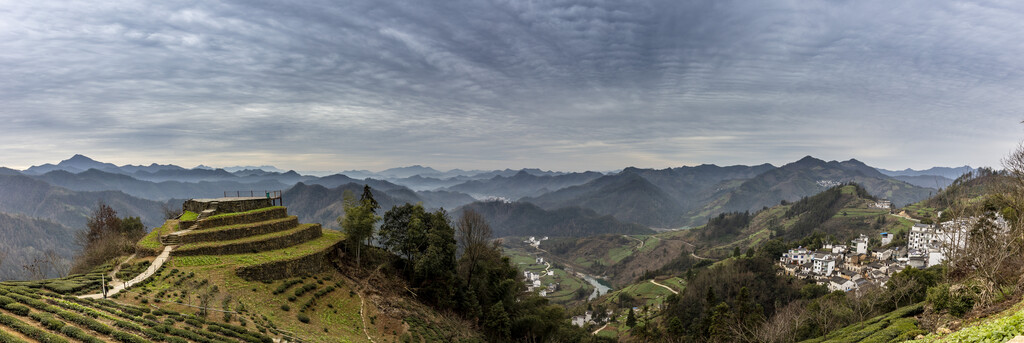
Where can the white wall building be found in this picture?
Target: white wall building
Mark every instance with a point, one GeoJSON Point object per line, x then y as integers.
{"type": "Point", "coordinates": [886, 238]}
{"type": "Point", "coordinates": [861, 244]}
{"type": "Point", "coordinates": [796, 256]}
{"type": "Point", "coordinates": [823, 264]}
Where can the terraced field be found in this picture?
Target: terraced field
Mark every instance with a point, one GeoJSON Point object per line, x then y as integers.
{"type": "Point", "coordinates": [43, 316]}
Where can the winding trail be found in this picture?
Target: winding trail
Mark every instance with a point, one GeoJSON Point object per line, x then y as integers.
{"type": "Point", "coordinates": [692, 250]}
{"type": "Point", "coordinates": [599, 330]}
{"type": "Point", "coordinates": [362, 317]}
{"type": "Point", "coordinates": [636, 239]}
{"type": "Point", "coordinates": [114, 281]}
{"type": "Point", "coordinates": [153, 267]}
{"type": "Point", "coordinates": [666, 287]}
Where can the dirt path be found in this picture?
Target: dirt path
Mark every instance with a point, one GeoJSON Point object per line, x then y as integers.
{"type": "Point", "coordinates": [114, 281]}
{"type": "Point", "coordinates": [636, 239]}
{"type": "Point", "coordinates": [599, 330]}
{"type": "Point", "coordinates": [666, 287]}
{"type": "Point", "coordinates": [693, 248]}
{"type": "Point", "coordinates": [153, 267]}
{"type": "Point", "coordinates": [362, 316]}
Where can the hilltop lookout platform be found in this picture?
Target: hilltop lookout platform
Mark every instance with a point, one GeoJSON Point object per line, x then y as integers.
{"type": "Point", "coordinates": [229, 204]}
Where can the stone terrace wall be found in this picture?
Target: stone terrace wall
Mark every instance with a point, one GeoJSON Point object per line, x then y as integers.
{"type": "Point", "coordinates": [307, 233]}
{"type": "Point", "coordinates": [305, 265]}
{"type": "Point", "coordinates": [227, 205]}
{"type": "Point", "coordinates": [235, 219]}
{"type": "Point", "coordinates": [241, 231]}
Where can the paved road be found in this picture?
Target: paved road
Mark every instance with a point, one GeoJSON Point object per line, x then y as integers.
{"type": "Point", "coordinates": [153, 267]}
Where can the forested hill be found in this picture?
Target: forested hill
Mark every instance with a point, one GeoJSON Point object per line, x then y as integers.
{"type": "Point", "coordinates": [319, 204]}
{"type": "Point", "coordinates": [34, 198]}
{"type": "Point", "coordinates": [526, 219]}
{"type": "Point", "coordinates": [809, 176]}
{"type": "Point", "coordinates": [688, 196]}
{"type": "Point", "coordinates": [26, 239]}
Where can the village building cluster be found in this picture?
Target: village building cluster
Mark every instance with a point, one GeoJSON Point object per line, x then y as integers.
{"type": "Point", "coordinates": [855, 266]}
{"type": "Point", "coordinates": [533, 280]}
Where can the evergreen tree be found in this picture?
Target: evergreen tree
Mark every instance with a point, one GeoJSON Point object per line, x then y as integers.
{"type": "Point", "coordinates": [721, 319]}
{"type": "Point", "coordinates": [631, 318]}
{"type": "Point", "coordinates": [498, 325]}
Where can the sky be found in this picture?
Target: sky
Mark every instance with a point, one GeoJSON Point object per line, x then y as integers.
{"type": "Point", "coordinates": [487, 84]}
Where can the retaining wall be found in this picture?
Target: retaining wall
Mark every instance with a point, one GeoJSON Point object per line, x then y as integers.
{"type": "Point", "coordinates": [227, 205]}
{"type": "Point", "coordinates": [244, 218]}
{"type": "Point", "coordinates": [240, 231]}
{"type": "Point", "coordinates": [301, 266]}
{"type": "Point", "coordinates": [307, 233]}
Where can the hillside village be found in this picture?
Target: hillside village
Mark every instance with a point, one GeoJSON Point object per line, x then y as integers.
{"type": "Point", "coordinates": [856, 266]}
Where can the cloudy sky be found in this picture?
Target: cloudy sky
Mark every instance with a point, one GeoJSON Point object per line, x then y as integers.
{"type": "Point", "coordinates": [561, 84]}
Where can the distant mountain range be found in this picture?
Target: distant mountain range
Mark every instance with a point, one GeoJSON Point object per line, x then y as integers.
{"type": "Point", "coordinates": [520, 202]}
{"type": "Point", "coordinates": [687, 196]}
{"type": "Point", "coordinates": [946, 172]}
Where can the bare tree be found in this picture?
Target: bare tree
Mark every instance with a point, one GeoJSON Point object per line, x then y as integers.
{"type": "Point", "coordinates": [864, 301]}
{"type": "Point", "coordinates": [473, 235]}
{"type": "Point", "coordinates": [983, 241]}
{"type": "Point", "coordinates": [57, 263]}
{"type": "Point", "coordinates": [902, 290]}
{"type": "Point", "coordinates": [37, 269]}
{"type": "Point", "coordinates": [781, 327]}
{"type": "Point", "coordinates": [169, 212]}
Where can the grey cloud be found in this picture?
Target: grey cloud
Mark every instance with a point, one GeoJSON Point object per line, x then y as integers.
{"type": "Point", "coordinates": [569, 84]}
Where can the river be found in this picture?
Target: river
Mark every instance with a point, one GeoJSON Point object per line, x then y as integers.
{"type": "Point", "coordinates": [600, 286]}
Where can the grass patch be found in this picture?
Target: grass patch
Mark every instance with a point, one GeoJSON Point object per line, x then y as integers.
{"type": "Point", "coordinates": [199, 245]}
{"type": "Point", "coordinates": [884, 328]}
{"type": "Point", "coordinates": [188, 216]}
{"type": "Point", "coordinates": [235, 214]}
{"type": "Point", "coordinates": [328, 239]}
{"type": "Point", "coordinates": [152, 240]}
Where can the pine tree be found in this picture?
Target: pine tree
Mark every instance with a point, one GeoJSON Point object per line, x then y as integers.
{"type": "Point", "coordinates": [631, 318]}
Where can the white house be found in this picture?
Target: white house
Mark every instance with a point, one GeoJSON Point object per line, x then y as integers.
{"type": "Point", "coordinates": [886, 238]}
{"type": "Point", "coordinates": [862, 244]}
{"type": "Point", "coordinates": [824, 264]}
{"type": "Point", "coordinates": [935, 257]}
{"type": "Point", "coordinates": [841, 284]}
{"type": "Point", "coordinates": [796, 256]}
{"type": "Point", "coordinates": [920, 237]}
{"type": "Point", "coordinates": [883, 255]}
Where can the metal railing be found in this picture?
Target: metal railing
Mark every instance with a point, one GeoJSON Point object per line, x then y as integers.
{"type": "Point", "coordinates": [274, 196]}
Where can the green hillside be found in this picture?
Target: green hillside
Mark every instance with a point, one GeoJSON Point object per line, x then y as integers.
{"type": "Point", "coordinates": [253, 276]}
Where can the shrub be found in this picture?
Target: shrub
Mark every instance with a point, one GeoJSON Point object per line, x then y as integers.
{"type": "Point", "coordinates": [303, 318]}
{"type": "Point", "coordinates": [17, 309]}
{"type": "Point", "coordinates": [285, 308]}
{"type": "Point", "coordinates": [79, 334]}
{"type": "Point", "coordinates": [958, 301]}
{"type": "Point", "coordinates": [125, 337]}
{"type": "Point", "coordinates": [47, 321]}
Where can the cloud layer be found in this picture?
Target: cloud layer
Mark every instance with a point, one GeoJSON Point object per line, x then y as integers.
{"type": "Point", "coordinates": [564, 84]}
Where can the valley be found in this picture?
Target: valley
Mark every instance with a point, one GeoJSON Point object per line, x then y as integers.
{"type": "Point", "coordinates": [614, 272]}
